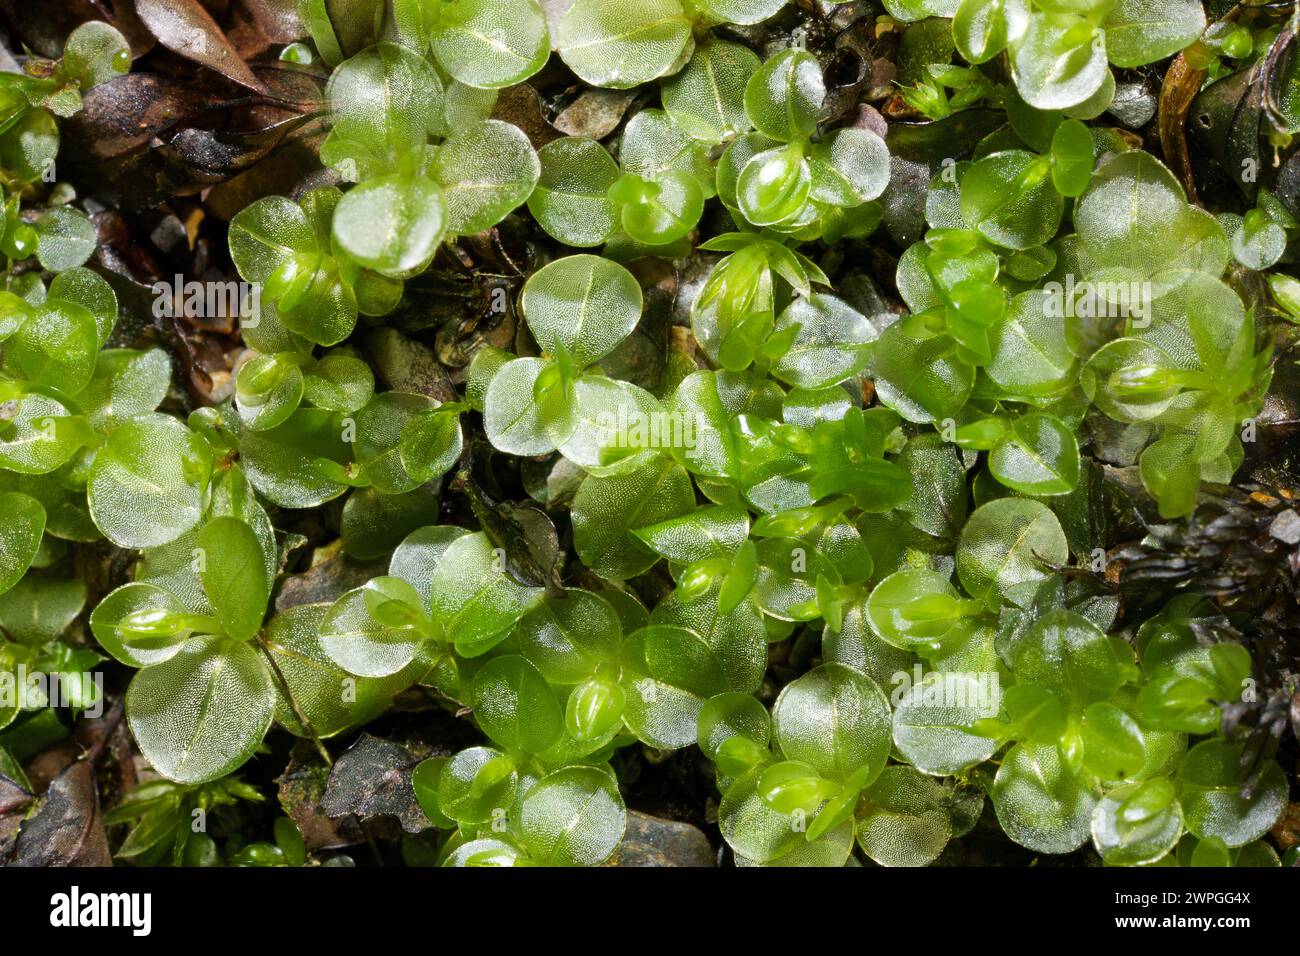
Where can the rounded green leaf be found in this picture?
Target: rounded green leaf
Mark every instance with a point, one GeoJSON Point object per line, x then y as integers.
{"type": "Point", "coordinates": [490, 45]}
{"type": "Point", "coordinates": [784, 97]}
{"type": "Point", "coordinates": [583, 304]}
{"type": "Point", "coordinates": [392, 224]}
{"type": "Point", "coordinates": [1215, 802]}
{"type": "Point", "coordinates": [1009, 197]}
{"type": "Point", "coordinates": [200, 714]}
{"type": "Point", "coordinates": [1039, 803]}
{"type": "Point", "coordinates": [486, 171]}
{"type": "Point", "coordinates": [147, 483]}
{"type": "Point", "coordinates": [571, 199]}
{"type": "Point", "coordinates": [1039, 456]}
{"type": "Point", "coordinates": [515, 705]}
{"type": "Point", "coordinates": [233, 572]}
{"type": "Point", "coordinates": [607, 509]}
{"type": "Point", "coordinates": [22, 522]}
{"type": "Point", "coordinates": [1008, 547]}
{"type": "Point", "coordinates": [828, 343]}
{"type": "Point", "coordinates": [707, 98]}
{"type": "Point", "coordinates": [1137, 823]}
{"type": "Point", "coordinates": [849, 167]}
{"type": "Point", "coordinates": [614, 44]}
{"type": "Point", "coordinates": [932, 718]}
{"type": "Point", "coordinates": [834, 719]}
{"type": "Point", "coordinates": [907, 824]}
{"type": "Point", "coordinates": [515, 421]}
{"type": "Point", "coordinates": [572, 817]}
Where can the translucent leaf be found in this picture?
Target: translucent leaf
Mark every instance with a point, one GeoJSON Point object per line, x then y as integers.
{"type": "Point", "coordinates": [56, 346]}
{"type": "Point", "coordinates": [740, 11]}
{"type": "Point", "coordinates": [609, 43]}
{"type": "Point", "coordinates": [485, 44]}
{"type": "Point", "coordinates": [1056, 62]}
{"type": "Point", "coordinates": [201, 713]}
{"type": "Point", "coordinates": [849, 167]}
{"type": "Point", "coordinates": [285, 463]}
{"type": "Point", "coordinates": [784, 98]}
{"type": "Point", "coordinates": [317, 683]}
{"type": "Point", "coordinates": [707, 99]}
{"type": "Point", "coordinates": [1137, 823]}
{"type": "Point", "coordinates": [834, 719]}
{"type": "Point", "coordinates": [486, 171]}
{"type": "Point", "coordinates": [515, 422]}
{"type": "Point", "coordinates": [1007, 548]}
{"type": "Point", "coordinates": [605, 510]}
{"type": "Point", "coordinates": [572, 817]}
{"type": "Point", "coordinates": [584, 304]}
{"type": "Point", "coordinates": [1039, 803]}
{"type": "Point", "coordinates": [393, 224]}
{"type": "Point", "coordinates": [567, 638]}
{"type": "Point", "coordinates": [22, 522]}
{"type": "Point", "coordinates": [234, 575]}
{"type": "Point", "coordinates": [907, 824]}
{"type": "Point", "coordinates": [570, 201]}
{"type": "Point", "coordinates": [1068, 653]}
{"type": "Point", "coordinates": [1214, 802]}
{"type": "Point", "coordinates": [703, 533]}
{"type": "Point", "coordinates": [828, 342]}
{"type": "Point", "coordinates": [515, 706]}
{"type": "Point", "coordinates": [1143, 31]}
{"type": "Point", "coordinates": [65, 238]}
{"type": "Point", "coordinates": [147, 484]}
{"type": "Point", "coordinates": [360, 634]}
{"type": "Point", "coordinates": [1009, 197]}
{"type": "Point", "coordinates": [931, 721]}
{"type": "Point", "coordinates": [473, 596]}
{"type": "Point", "coordinates": [1040, 456]}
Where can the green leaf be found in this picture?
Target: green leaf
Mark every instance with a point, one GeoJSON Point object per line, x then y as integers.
{"type": "Point", "coordinates": [200, 714]}
{"type": "Point", "coordinates": [234, 575]}
{"type": "Point", "coordinates": [393, 224]}
{"type": "Point", "coordinates": [141, 624]}
{"type": "Point", "coordinates": [1055, 62]}
{"type": "Point", "coordinates": [572, 817]}
{"type": "Point", "coordinates": [483, 44]}
{"type": "Point", "coordinates": [703, 533]}
{"type": "Point", "coordinates": [567, 638]}
{"type": "Point", "coordinates": [486, 171]}
{"type": "Point", "coordinates": [1138, 31]}
{"type": "Point", "coordinates": [515, 421]}
{"type": "Point", "coordinates": [571, 199]}
{"type": "Point", "coordinates": [607, 509]}
{"type": "Point", "coordinates": [707, 98]}
{"type": "Point", "coordinates": [22, 522]}
{"type": "Point", "coordinates": [472, 594]}
{"type": "Point", "coordinates": [1137, 823]}
{"type": "Point", "coordinates": [147, 483]}
{"type": "Point", "coordinates": [1039, 803]}
{"type": "Point", "coordinates": [827, 340]}
{"type": "Point", "coordinates": [374, 630]}
{"type": "Point", "coordinates": [1066, 652]}
{"type": "Point", "coordinates": [65, 238]}
{"type": "Point", "coordinates": [1114, 748]}
{"type": "Point", "coordinates": [332, 699]}
{"type": "Point", "coordinates": [1009, 197]}
{"type": "Point", "coordinates": [515, 706]}
{"type": "Point", "coordinates": [40, 607]}
{"type": "Point", "coordinates": [1007, 548]}
{"type": "Point", "coordinates": [783, 98]}
{"type": "Point", "coordinates": [95, 53]}
{"type": "Point", "coordinates": [582, 304]}
{"type": "Point", "coordinates": [1039, 456]}
{"type": "Point", "coordinates": [836, 720]}
{"type": "Point", "coordinates": [933, 717]}
{"type": "Point", "coordinates": [609, 43]}
{"type": "Point", "coordinates": [907, 824]}
{"type": "Point", "coordinates": [1215, 802]}
{"type": "Point", "coordinates": [56, 346]}
{"type": "Point", "coordinates": [849, 167]}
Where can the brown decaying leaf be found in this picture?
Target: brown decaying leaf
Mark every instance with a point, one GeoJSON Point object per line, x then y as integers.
{"type": "Point", "coordinates": [186, 28]}
{"type": "Point", "coordinates": [1182, 83]}
{"type": "Point", "coordinates": [373, 779]}
{"type": "Point", "coordinates": [67, 829]}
